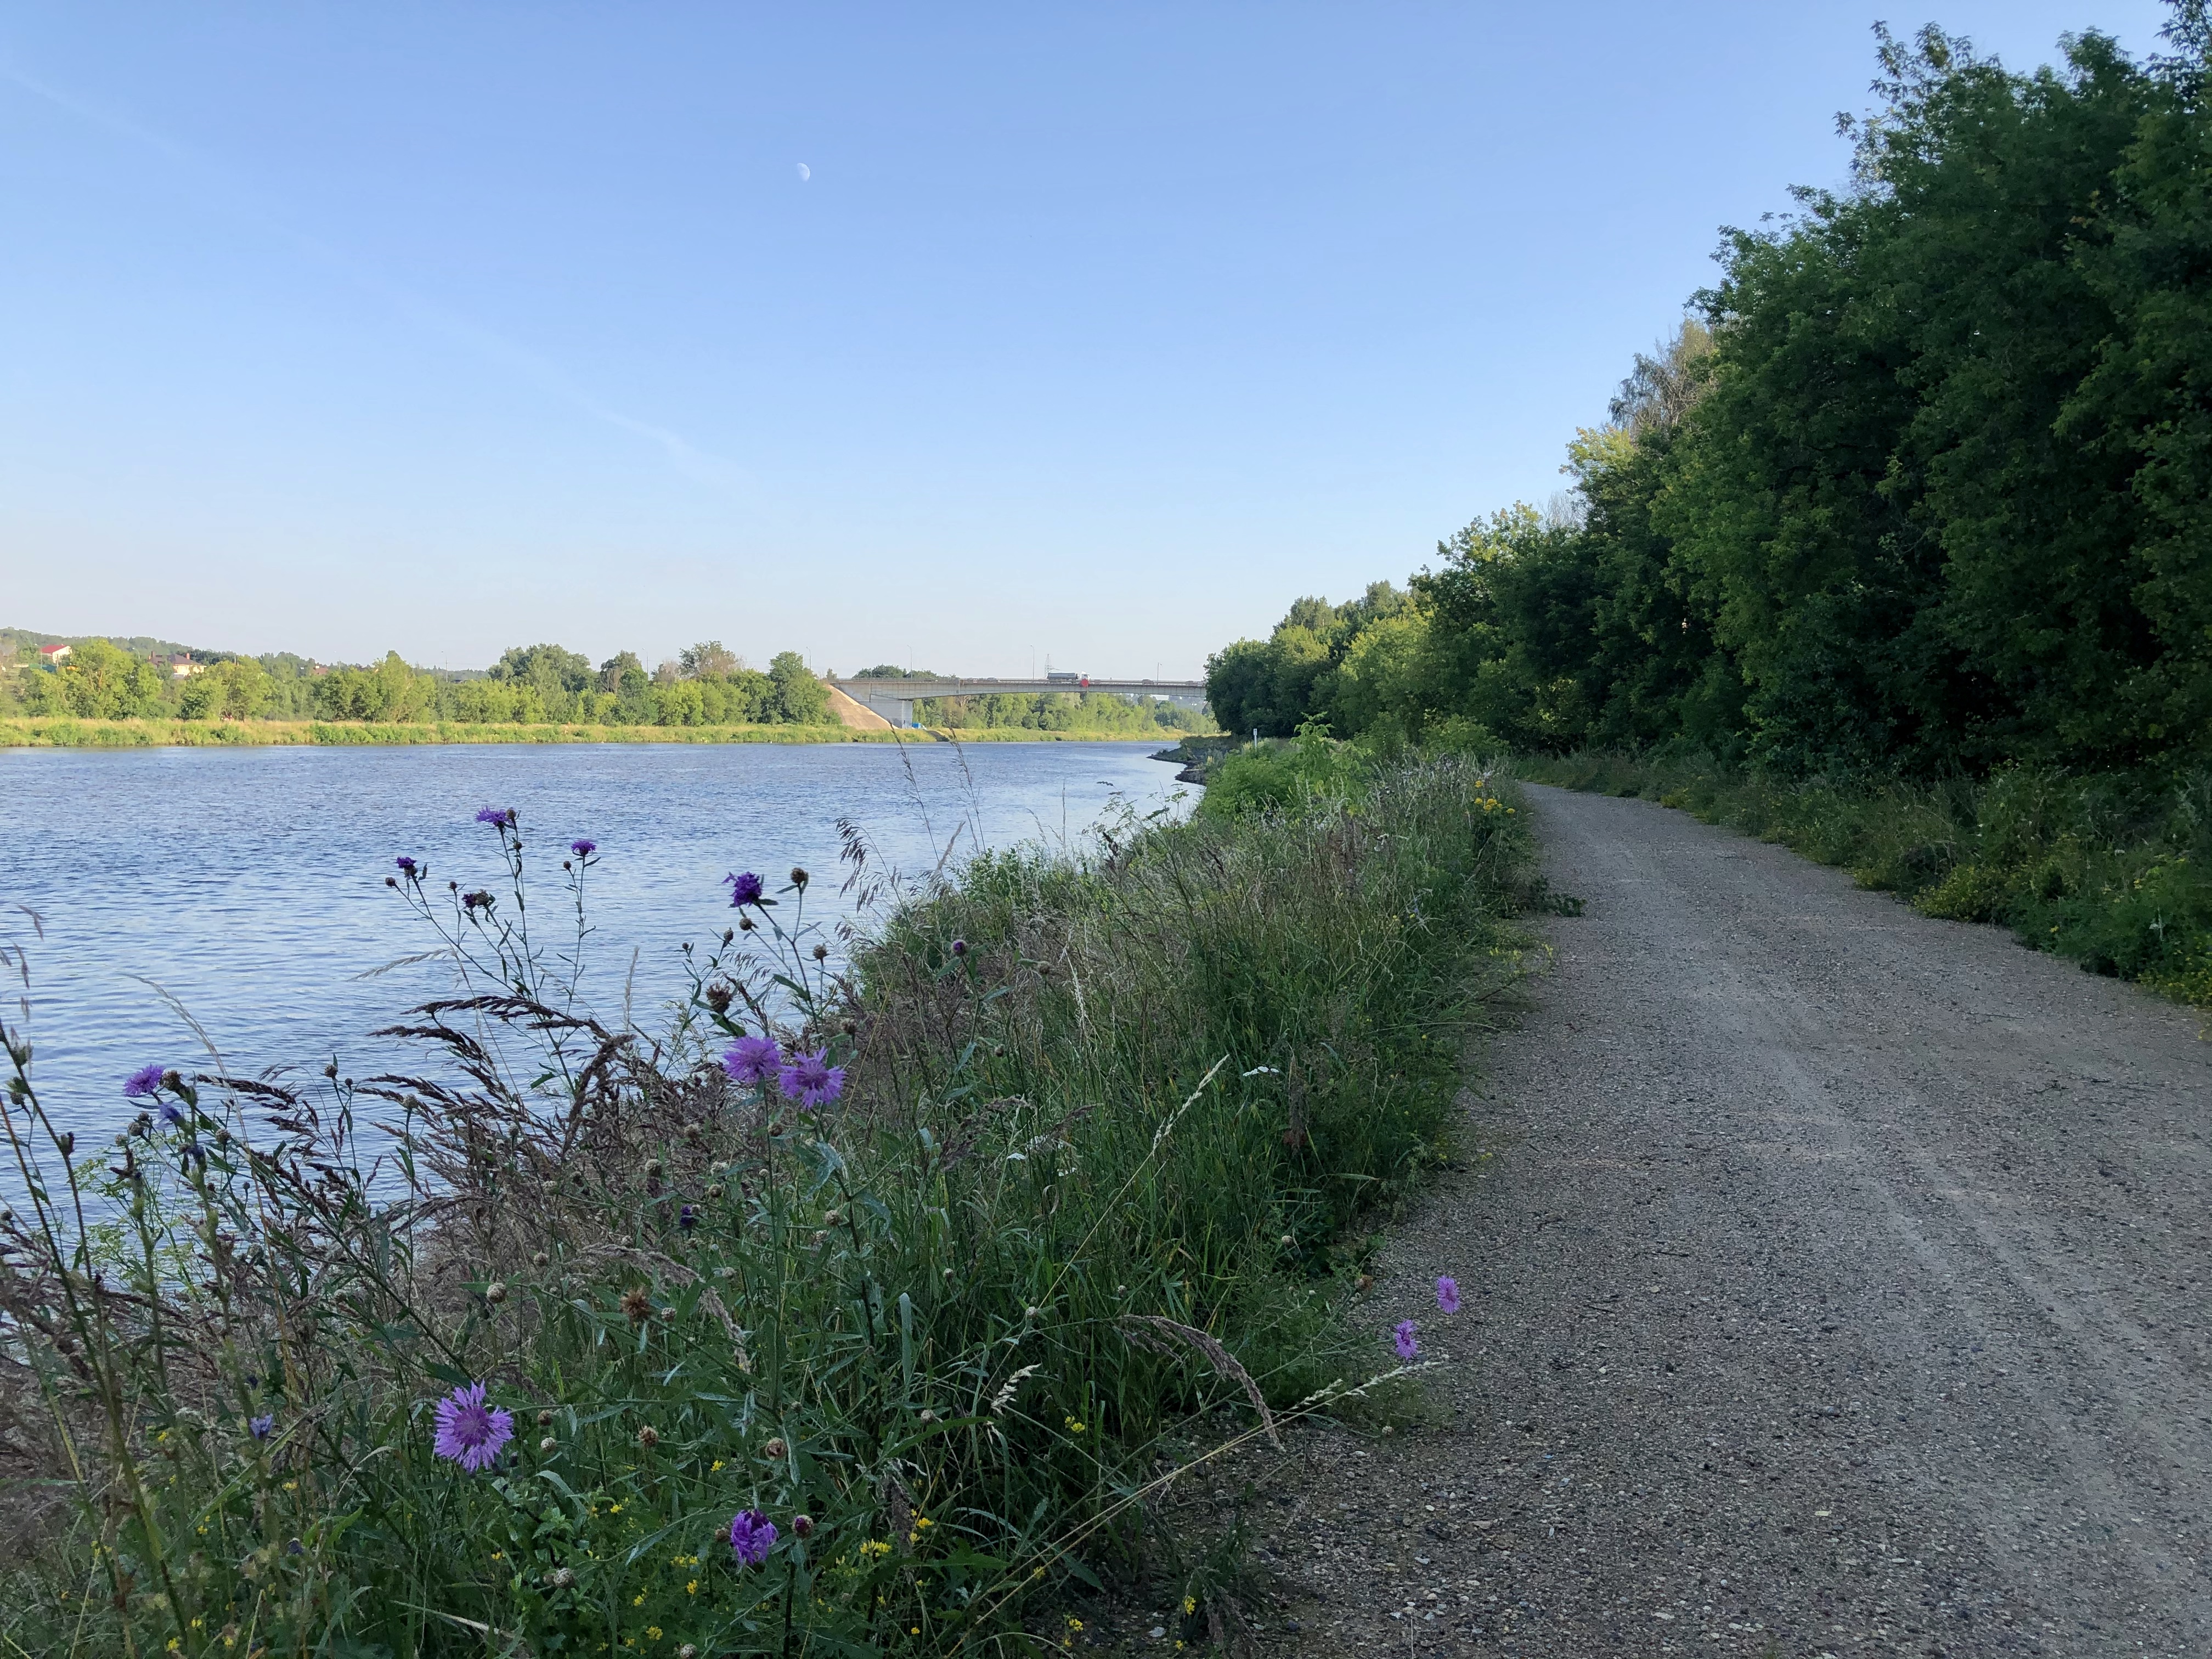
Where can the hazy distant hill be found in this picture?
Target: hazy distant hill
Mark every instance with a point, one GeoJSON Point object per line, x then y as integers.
{"type": "Point", "coordinates": [13, 639]}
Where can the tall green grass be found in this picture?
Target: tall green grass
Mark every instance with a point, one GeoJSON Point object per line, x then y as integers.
{"type": "Point", "coordinates": [2109, 869]}
{"type": "Point", "coordinates": [1107, 1114]}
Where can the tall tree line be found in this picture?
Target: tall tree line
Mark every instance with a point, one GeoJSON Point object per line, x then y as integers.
{"type": "Point", "coordinates": [707, 685]}
{"type": "Point", "coordinates": [1923, 484]}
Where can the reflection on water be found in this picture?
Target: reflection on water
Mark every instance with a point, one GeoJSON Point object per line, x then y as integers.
{"type": "Point", "coordinates": [247, 884]}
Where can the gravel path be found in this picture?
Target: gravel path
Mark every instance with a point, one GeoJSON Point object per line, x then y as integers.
{"type": "Point", "coordinates": [1840, 1287]}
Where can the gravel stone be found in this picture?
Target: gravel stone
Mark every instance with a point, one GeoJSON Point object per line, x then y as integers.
{"type": "Point", "coordinates": [1838, 1287]}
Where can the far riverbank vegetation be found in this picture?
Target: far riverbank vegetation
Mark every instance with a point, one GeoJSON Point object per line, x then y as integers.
{"type": "Point", "coordinates": [899, 1291]}
{"type": "Point", "coordinates": [1900, 551]}
{"type": "Point", "coordinates": [101, 692]}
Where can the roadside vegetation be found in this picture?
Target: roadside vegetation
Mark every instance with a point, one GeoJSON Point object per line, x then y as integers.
{"type": "Point", "coordinates": [853, 1310]}
{"type": "Point", "coordinates": [2108, 869]}
{"type": "Point", "coordinates": [1898, 551]}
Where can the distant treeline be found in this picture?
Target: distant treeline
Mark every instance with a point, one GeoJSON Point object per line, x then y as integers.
{"type": "Point", "coordinates": [707, 684]}
{"type": "Point", "coordinates": [1048, 711]}
{"type": "Point", "coordinates": [1924, 486]}
{"type": "Point", "coordinates": [530, 685]}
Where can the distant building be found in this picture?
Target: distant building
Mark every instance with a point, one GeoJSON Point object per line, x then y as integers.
{"type": "Point", "coordinates": [53, 655]}
{"type": "Point", "coordinates": [181, 665]}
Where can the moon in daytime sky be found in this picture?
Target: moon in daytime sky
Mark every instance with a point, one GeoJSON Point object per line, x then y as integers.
{"type": "Point", "coordinates": [805, 172]}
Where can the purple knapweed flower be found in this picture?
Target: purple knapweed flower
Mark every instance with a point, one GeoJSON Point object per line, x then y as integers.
{"type": "Point", "coordinates": [1447, 1294]}
{"type": "Point", "coordinates": [744, 889]}
{"type": "Point", "coordinates": [262, 1427]}
{"type": "Point", "coordinates": [687, 1217]}
{"type": "Point", "coordinates": [469, 1432]}
{"type": "Point", "coordinates": [407, 868]}
{"type": "Point", "coordinates": [1404, 1339]}
{"type": "Point", "coordinates": [583, 849]}
{"type": "Point", "coordinates": [752, 1060]}
{"type": "Point", "coordinates": [142, 1083]}
{"type": "Point", "coordinates": [752, 1535]}
{"type": "Point", "coordinates": [959, 947]}
{"type": "Point", "coordinates": [172, 1113]}
{"type": "Point", "coordinates": [476, 901]}
{"type": "Point", "coordinates": [810, 1079]}
{"type": "Point", "coordinates": [500, 817]}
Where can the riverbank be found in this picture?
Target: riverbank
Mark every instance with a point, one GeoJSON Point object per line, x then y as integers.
{"type": "Point", "coordinates": [61, 733]}
{"type": "Point", "coordinates": [1083, 1179]}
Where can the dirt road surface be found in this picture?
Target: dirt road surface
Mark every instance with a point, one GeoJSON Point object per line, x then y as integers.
{"type": "Point", "coordinates": [1840, 1287]}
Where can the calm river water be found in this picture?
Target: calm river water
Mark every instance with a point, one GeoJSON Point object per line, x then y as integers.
{"type": "Point", "coordinates": [248, 883]}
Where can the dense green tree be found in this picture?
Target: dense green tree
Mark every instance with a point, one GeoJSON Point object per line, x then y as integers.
{"type": "Point", "coordinates": [236, 688]}
{"type": "Point", "coordinates": [801, 697]}
{"type": "Point", "coordinates": [1927, 484]}
{"type": "Point", "coordinates": [99, 680]}
{"type": "Point", "coordinates": [709, 660]}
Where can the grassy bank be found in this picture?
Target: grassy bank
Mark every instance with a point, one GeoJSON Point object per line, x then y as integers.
{"type": "Point", "coordinates": [1101, 1125]}
{"type": "Point", "coordinates": [70, 733]}
{"type": "Point", "coordinates": [2112, 870]}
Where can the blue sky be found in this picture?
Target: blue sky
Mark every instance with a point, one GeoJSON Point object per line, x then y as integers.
{"type": "Point", "coordinates": [1096, 333]}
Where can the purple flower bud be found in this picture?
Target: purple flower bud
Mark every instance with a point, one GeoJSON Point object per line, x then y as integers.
{"type": "Point", "coordinates": [687, 1217]}
{"type": "Point", "coordinates": [959, 947]}
{"type": "Point", "coordinates": [752, 1534]}
{"type": "Point", "coordinates": [262, 1427]}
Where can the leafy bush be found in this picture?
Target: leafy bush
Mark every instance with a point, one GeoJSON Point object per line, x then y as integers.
{"type": "Point", "coordinates": [911, 1262]}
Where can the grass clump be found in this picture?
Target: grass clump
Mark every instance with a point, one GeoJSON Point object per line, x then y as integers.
{"type": "Point", "coordinates": [915, 1259]}
{"type": "Point", "coordinates": [2112, 869]}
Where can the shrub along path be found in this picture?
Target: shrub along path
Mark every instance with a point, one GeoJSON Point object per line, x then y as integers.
{"type": "Point", "coordinates": [1841, 1287]}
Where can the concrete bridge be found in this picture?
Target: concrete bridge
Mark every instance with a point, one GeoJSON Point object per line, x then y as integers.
{"type": "Point", "coordinates": [894, 699]}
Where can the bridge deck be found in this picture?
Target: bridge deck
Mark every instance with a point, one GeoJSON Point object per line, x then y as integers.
{"type": "Point", "coordinates": [906, 690]}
